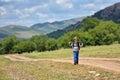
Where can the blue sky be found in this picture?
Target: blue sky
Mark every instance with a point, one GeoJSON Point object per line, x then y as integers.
{"type": "Point", "coordinates": [29, 12]}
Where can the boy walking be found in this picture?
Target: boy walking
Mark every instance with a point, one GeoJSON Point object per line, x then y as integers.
{"type": "Point", "coordinates": [76, 47]}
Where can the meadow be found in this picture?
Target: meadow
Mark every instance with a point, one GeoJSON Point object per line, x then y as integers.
{"type": "Point", "coordinates": [47, 70]}
{"type": "Point", "coordinates": [105, 51]}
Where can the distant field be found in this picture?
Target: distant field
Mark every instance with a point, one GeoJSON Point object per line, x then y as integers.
{"type": "Point", "coordinates": [109, 51]}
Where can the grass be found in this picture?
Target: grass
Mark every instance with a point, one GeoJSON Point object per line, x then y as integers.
{"type": "Point", "coordinates": [3, 71]}
{"type": "Point", "coordinates": [46, 70]}
{"type": "Point", "coordinates": [109, 51]}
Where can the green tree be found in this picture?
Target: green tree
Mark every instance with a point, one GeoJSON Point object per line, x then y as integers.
{"type": "Point", "coordinates": [89, 23]}
{"type": "Point", "coordinates": [1, 49]}
{"type": "Point", "coordinates": [104, 33]}
{"type": "Point", "coordinates": [24, 46]}
{"type": "Point", "coordinates": [8, 44]}
{"type": "Point", "coordinates": [40, 41]}
{"type": "Point", "coordinates": [51, 44]}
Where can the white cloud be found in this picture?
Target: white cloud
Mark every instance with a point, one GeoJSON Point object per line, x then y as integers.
{"type": "Point", "coordinates": [90, 5]}
{"type": "Point", "coordinates": [18, 11]}
{"type": "Point", "coordinates": [103, 6]}
{"type": "Point", "coordinates": [5, 1]}
{"type": "Point", "coordinates": [41, 15]}
{"type": "Point", "coordinates": [24, 16]}
{"type": "Point", "coordinates": [21, 14]}
{"type": "Point", "coordinates": [60, 1]}
{"type": "Point", "coordinates": [99, 1]}
{"type": "Point", "coordinates": [34, 8]}
{"type": "Point", "coordinates": [65, 3]}
{"type": "Point", "coordinates": [2, 11]}
{"type": "Point", "coordinates": [92, 12]}
{"type": "Point", "coordinates": [51, 20]}
{"type": "Point", "coordinates": [69, 5]}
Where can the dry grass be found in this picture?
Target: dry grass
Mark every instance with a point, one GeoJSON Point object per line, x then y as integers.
{"type": "Point", "coordinates": [47, 70]}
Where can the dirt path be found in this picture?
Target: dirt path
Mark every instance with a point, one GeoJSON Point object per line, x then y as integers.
{"type": "Point", "coordinates": [111, 64]}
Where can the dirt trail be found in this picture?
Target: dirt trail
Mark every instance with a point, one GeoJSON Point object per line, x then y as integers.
{"type": "Point", "coordinates": [111, 64]}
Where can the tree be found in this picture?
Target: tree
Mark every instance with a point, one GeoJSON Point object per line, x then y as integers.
{"type": "Point", "coordinates": [40, 41]}
{"type": "Point", "coordinates": [51, 44]}
{"type": "Point", "coordinates": [104, 33]}
{"type": "Point", "coordinates": [24, 46]}
{"type": "Point", "coordinates": [89, 23]}
{"type": "Point", "coordinates": [1, 49]}
{"type": "Point", "coordinates": [8, 44]}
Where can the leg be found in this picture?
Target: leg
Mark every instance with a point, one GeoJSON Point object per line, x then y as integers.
{"type": "Point", "coordinates": [76, 57]}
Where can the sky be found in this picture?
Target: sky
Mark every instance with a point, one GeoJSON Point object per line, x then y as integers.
{"type": "Point", "coordinates": [29, 12]}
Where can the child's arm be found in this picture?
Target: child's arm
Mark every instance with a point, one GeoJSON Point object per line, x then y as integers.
{"type": "Point", "coordinates": [70, 44]}
{"type": "Point", "coordinates": [81, 45]}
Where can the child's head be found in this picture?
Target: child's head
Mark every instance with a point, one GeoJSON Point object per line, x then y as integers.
{"type": "Point", "coordinates": [75, 39]}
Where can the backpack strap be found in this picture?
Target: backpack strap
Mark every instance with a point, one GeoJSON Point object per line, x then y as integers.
{"type": "Point", "coordinates": [78, 44]}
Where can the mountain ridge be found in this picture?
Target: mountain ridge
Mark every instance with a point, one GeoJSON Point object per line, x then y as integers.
{"type": "Point", "coordinates": [27, 32]}
{"type": "Point", "coordinates": [109, 13]}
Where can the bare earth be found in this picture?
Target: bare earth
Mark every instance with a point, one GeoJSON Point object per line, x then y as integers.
{"type": "Point", "coordinates": [111, 64]}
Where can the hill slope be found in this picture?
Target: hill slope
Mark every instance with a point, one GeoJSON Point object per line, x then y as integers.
{"type": "Point", "coordinates": [19, 31]}
{"type": "Point", "coordinates": [50, 27]}
{"type": "Point", "coordinates": [109, 13]}
{"type": "Point", "coordinates": [59, 33]}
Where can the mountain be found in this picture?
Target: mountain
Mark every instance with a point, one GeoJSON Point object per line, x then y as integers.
{"type": "Point", "coordinates": [19, 31]}
{"type": "Point", "coordinates": [59, 33]}
{"type": "Point", "coordinates": [24, 32]}
{"type": "Point", "coordinates": [109, 13]}
{"type": "Point", "coordinates": [50, 27]}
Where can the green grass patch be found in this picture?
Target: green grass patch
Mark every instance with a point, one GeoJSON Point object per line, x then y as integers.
{"type": "Point", "coordinates": [109, 51]}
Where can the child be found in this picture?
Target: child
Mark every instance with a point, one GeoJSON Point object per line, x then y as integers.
{"type": "Point", "coordinates": [76, 47]}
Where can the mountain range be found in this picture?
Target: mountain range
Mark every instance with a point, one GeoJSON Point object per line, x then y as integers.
{"type": "Point", "coordinates": [50, 27]}
{"type": "Point", "coordinates": [24, 32]}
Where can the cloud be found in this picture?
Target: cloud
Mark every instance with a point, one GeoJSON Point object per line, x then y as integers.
{"type": "Point", "coordinates": [5, 1]}
{"type": "Point", "coordinates": [92, 12]}
{"type": "Point", "coordinates": [2, 11]}
{"type": "Point", "coordinates": [51, 20]}
{"type": "Point", "coordinates": [35, 8]}
{"type": "Point", "coordinates": [69, 5]}
{"type": "Point", "coordinates": [90, 5]}
{"type": "Point", "coordinates": [18, 11]}
{"type": "Point", "coordinates": [60, 1]}
{"type": "Point", "coordinates": [24, 16]}
{"type": "Point", "coordinates": [64, 3]}
{"type": "Point", "coordinates": [21, 14]}
{"type": "Point", "coordinates": [41, 15]}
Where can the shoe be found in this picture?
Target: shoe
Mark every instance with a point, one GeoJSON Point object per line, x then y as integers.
{"type": "Point", "coordinates": [75, 63]}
